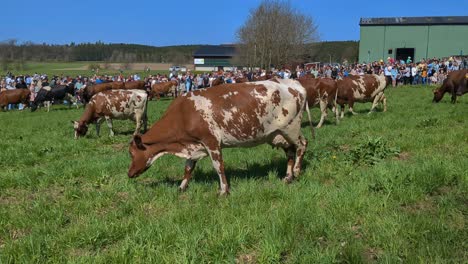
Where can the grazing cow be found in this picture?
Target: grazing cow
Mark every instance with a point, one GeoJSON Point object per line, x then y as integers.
{"type": "Point", "coordinates": [92, 89]}
{"type": "Point", "coordinates": [456, 84]}
{"type": "Point", "coordinates": [164, 88]}
{"type": "Point", "coordinates": [218, 81]}
{"type": "Point", "coordinates": [321, 92]}
{"type": "Point", "coordinates": [201, 123]}
{"type": "Point", "coordinates": [366, 88]}
{"type": "Point", "coordinates": [15, 96]}
{"type": "Point", "coordinates": [113, 104]}
{"type": "Point", "coordinates": [59, 92]}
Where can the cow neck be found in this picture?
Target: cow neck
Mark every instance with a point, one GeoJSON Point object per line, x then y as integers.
{"type": "Point", "coordinates": [88, 115]}
{"type": "Point", "coordinates": [162, 137]}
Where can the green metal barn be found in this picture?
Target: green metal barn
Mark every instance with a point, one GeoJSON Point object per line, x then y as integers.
{"type": "Point", "coordinates": [418, 37]}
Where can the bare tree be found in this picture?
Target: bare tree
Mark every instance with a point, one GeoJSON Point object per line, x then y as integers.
{"type": "Point", "coordinates": [275, 33]}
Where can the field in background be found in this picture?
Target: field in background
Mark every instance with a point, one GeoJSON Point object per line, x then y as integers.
{"type": "Point", "coordinates": [85, 68]}
{"type": "Point", "coordinates": [388, 187]}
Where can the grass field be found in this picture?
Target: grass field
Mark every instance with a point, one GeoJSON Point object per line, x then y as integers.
{"type": "Point", "coordinates": [388, 187]}
{"type": "Point", "coordinates": [83, 68]}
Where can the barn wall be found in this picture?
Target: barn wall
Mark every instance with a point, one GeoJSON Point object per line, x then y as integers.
{"type": "Point", "coordinates": [427, 40]}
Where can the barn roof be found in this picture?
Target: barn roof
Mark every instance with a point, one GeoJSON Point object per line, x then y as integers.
{"type": "Point", "coordinates": [215, 51]}
{"type": "Point", "coordinates": [404, 21]}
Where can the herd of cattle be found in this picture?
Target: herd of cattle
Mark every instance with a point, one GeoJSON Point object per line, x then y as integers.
{"type": "Point", "coordinates": [200, 123]}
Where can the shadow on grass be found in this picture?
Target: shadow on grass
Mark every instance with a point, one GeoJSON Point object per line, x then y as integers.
{"type": "Point", "coordinates": [253, 171]}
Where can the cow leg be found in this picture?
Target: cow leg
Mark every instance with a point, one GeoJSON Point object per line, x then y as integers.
{"type": "Point", "coordinates": [109, 125]}
{"type": "Point", "coordinates": [145, 121]}
{"type": "Point", "coordinates": [138, 117]}
{"type": "Point", "coordinates": [290, 153]}
{"type": "Point", "coordinates": [218, 164]}
{"type": "Point", "coordinates": [72, 99]}
{"type": "Point", "coordinates": [454, 98]}
{"type": "Point", "coordinates": [335, 111]}
{"type": "Point", "coordinates": [98, 124]}
{"type": "Point", "coordinates": [300, 151]}
{"type": "Point", "coordinates": [383, 99]}
{"type": "Point", "coordinates": [323, 111]}
{"type": "Point", "coordinates": [350, 109]}
{"type": "Point", "coordinates": [189, 167]}
{"type": "Point", "coordinates": [342, 109]}
{"type": "Point", "coordinates": [376, 101]}
{"type": "Point", "coordinates": [48, 105]}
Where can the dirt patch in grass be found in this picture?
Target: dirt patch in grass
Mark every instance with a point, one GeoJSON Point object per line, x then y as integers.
{"type": "Point", "coordinates": [78, 252]}
{"type": "Point", "coordinates": [9, 200]}
{"type": "Point", "coordinates": [120, 146]}
{"type": "Point", "coordinates": [425, 205]}
{"type": "Point", "coordinates": [16, 234]}
{"type": "Point", "coordinates": [403, 156]}
{"type": "Point", "coordinates": [247, 258]}
{"type": "Point", "coordinates": [371, 255]}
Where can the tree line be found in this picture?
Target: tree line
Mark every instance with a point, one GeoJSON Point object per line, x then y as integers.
{"type": "Point", "coordinates": [16, 54]}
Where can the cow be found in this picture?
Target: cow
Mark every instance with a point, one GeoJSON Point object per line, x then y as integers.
{"type": "Point", "coordinates": [164, 88]}
{"type": "Point", "coordinates": [241, 79]}
{"type": "Point", "coordinates": [48, 94]}
{"type": "Point", "coordinates": [133, 85]}
{"type": "Point", "coordinates": [365, 88]}
{"type": "Point", "coordinates": [202, 122]}
{"type": "Point", "coordinates": [92, 89]}
{"type": "Point", "coordinates": [456, 84]}
{"type": "Point", "coordinates": [307, 76]}
{"type": "Point", "coordinates": [218, 81]}
{"type": "Point", "coordinates": [113, 104]}
{"type": "Point", "coordinates": [14, 96]}
{"type": "Point", "coordinates": [321, 92]}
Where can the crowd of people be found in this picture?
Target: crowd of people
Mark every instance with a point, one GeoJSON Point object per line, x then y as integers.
{"type": "Point", "coordinates": [401, 72]}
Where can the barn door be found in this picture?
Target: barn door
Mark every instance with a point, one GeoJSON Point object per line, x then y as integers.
{"type": "Point", "coordinates": [404, 53]}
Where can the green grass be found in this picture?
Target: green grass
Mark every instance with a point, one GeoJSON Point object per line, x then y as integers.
{"type": "Point", "coordinates": [388, 187]}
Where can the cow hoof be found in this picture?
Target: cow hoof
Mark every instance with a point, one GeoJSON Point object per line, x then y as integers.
{"type": "Point", "coordinates": [182, 189]}
{"type": "Point", "coordinates": [223, 193]}
{"type": "Point", "coordinates": [288, 179]}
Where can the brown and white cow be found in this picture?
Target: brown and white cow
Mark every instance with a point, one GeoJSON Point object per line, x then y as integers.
{"type": "Point", "coordinates": [365, 88]}
{"type": "Point", "coordinates": [321, 92]}
{"type": "Point", "coordinates": [201, 123]}
{"type": "Point", "coordinates": [14, 96]}
{"type": "Point", "coordinates": [456, 84]}
{"type": "Point", "coordinates": [164, 88]}
{"type": "Point", "coordinates": [113, 104]}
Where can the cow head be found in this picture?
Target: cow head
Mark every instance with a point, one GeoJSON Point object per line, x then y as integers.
{"type": "Point", "coordinates": [438, 94]}
{"type": "Point", "coordinates": [140, 157]}
{"type": "Point", "coordinates": [80, 127]}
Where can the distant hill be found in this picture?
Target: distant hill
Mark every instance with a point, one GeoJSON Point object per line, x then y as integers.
{"type": "Point", "coordinates": [14, 53]}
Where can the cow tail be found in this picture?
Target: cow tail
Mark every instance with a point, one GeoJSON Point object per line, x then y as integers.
{"type": "Point", "coordinates": [145, 115]}
{"type": "Point", "coordinates": [310, 119]}
{"type": "Point", "coordinates": [336, 105]}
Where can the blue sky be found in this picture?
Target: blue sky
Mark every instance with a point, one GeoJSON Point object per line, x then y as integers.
{"type": "Point", "coordinates": [162, 23]}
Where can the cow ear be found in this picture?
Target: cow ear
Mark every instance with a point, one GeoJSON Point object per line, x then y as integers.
{"type": "Point", "coordinates": [138, 142]}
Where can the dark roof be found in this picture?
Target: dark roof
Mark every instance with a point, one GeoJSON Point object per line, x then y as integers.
{"type": "Point", "coordinates": [215, 51]}
{"type": "Point", "coordinates": [403, 21]}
